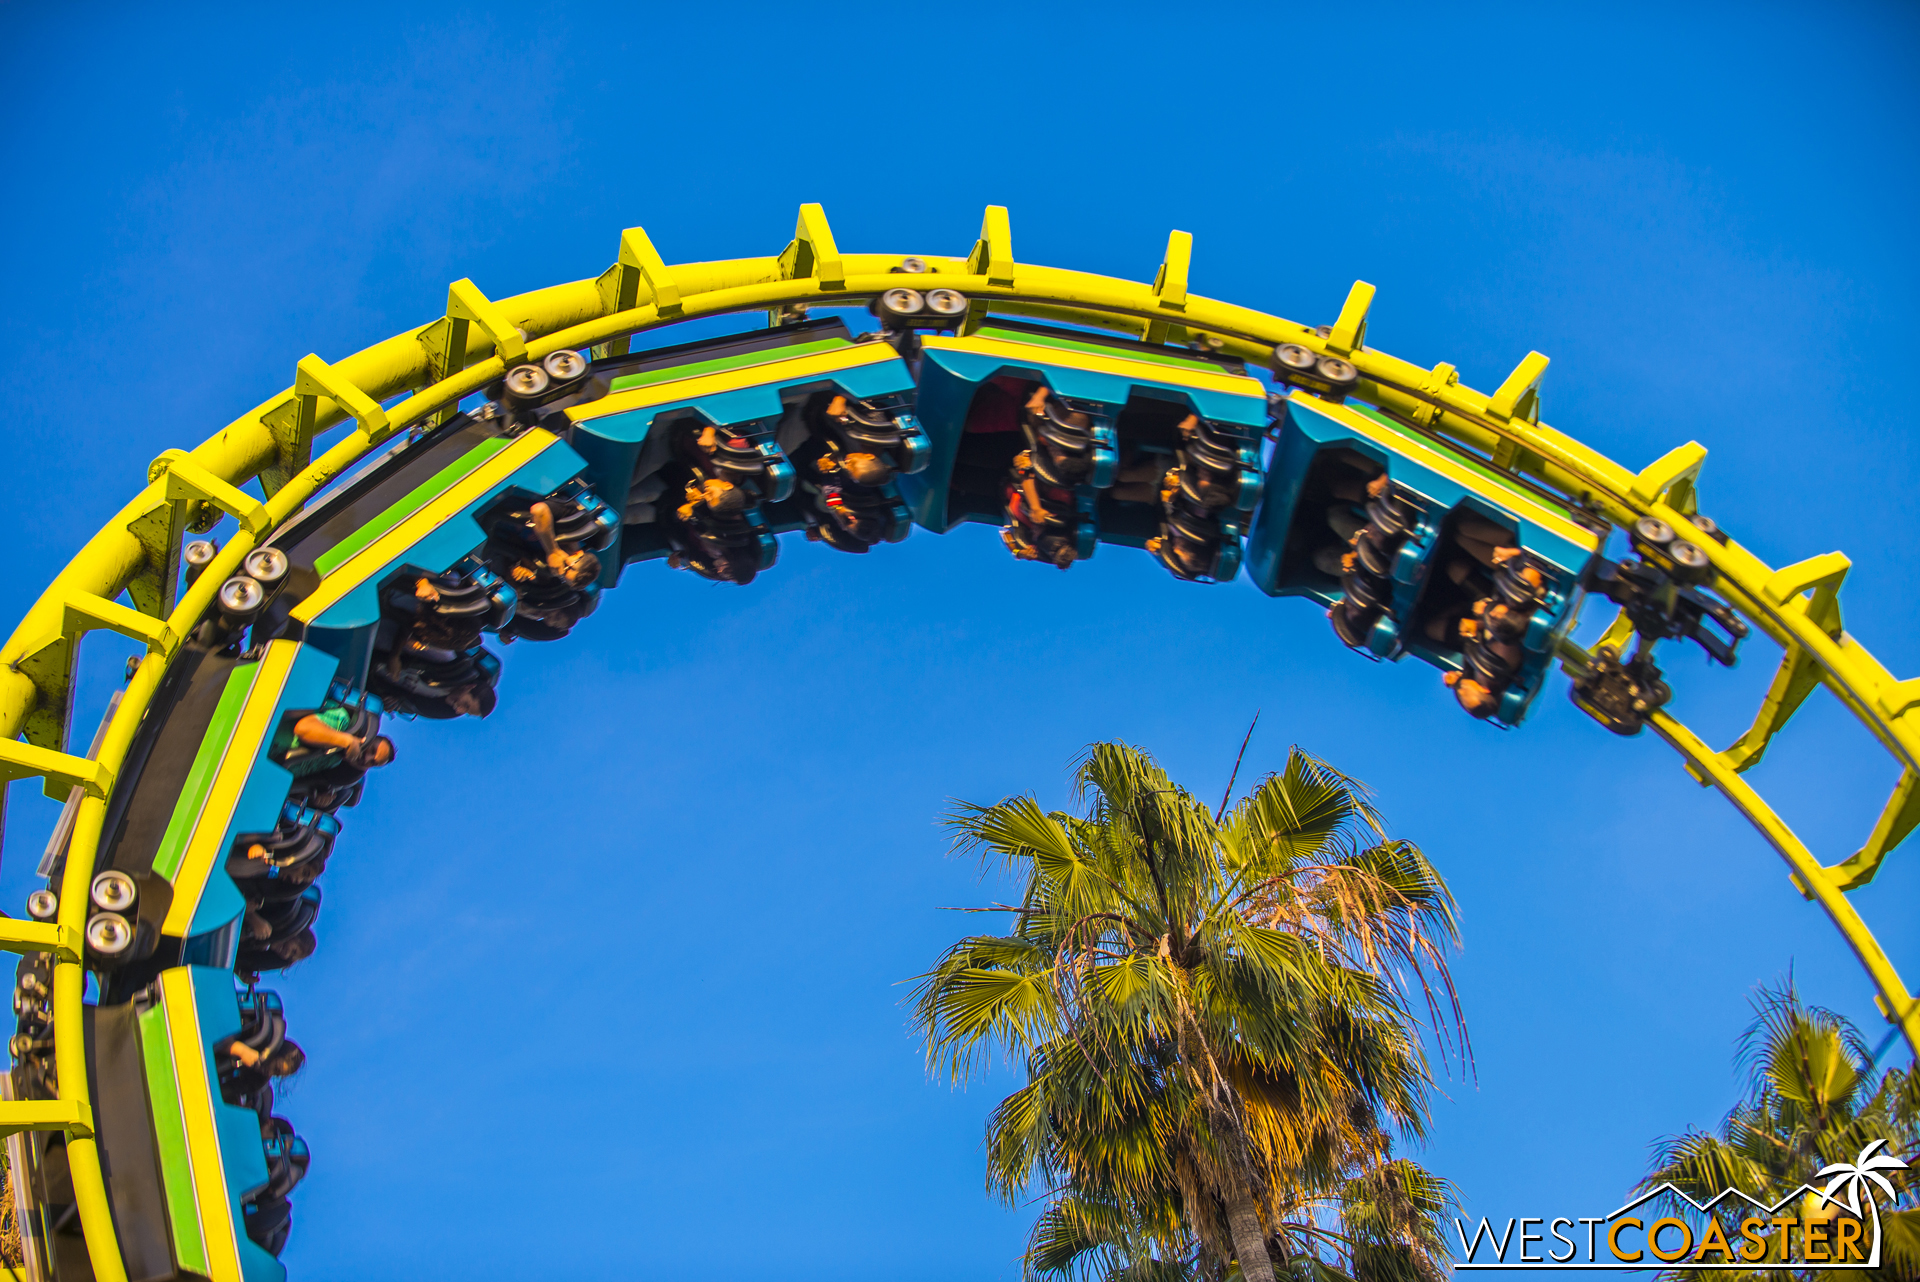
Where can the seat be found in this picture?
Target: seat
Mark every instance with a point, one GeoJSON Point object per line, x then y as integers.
{"type": "Point", "coordinates": [719, 530]}
{"type": "Point", "coordinates": [847, 463]}
{"type": "Point", "coordinates": [1374, 572]}
{"type": "Point", "coordinates": [545, 547]}
{"type": "Point", "coordinates": [293, 854]}
{"type": "Point", "coordinates": [1206, 496]}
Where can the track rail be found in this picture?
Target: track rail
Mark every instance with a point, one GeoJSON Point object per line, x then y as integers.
{"type": "Point", "coordinates": [432, 367]}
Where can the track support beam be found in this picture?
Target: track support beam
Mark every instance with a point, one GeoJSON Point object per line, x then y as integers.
{"type": "Point", "coordinates": [638, 264]}
{"type": "Point", "coordinates": [1349, 332]}
{"type": "Point", "coordinates": [1170, 288]}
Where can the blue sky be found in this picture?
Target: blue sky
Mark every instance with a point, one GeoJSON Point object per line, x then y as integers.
{"type": "Point", "coordinates": [610, 986]}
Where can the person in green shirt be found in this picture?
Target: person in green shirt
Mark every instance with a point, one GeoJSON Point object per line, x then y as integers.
{"type": "Point", "coordinates": [321, 741]}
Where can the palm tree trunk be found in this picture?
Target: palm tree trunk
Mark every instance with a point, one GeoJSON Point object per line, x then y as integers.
{"type": "Point", "coordinates": [1249, 1239]}
{"type": "Point", "coordinates": [1236, 1190]}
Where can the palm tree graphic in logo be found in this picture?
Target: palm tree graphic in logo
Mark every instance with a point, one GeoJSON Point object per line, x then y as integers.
{"type": "Point", "coordinates": [1854, 1177]}
{"type": "Point", "coordinates": [1857, 1173]}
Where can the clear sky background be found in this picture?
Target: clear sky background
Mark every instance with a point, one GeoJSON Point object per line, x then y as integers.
{"type": "Point", "coordinates": [610, 986]}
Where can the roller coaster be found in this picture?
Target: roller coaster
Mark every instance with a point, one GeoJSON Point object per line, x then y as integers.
{"type": "Point", "coordinates": [283, 630]}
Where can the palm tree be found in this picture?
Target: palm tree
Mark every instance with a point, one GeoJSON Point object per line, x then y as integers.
{"type": "Point", "coordinates": [1216, 1013]}
{"type": "Point", "coordinates": [1813, 1100]}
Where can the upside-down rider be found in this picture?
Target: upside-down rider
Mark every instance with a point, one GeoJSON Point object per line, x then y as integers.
{"type": "Point", "coordinates": [1036, 513]}
{"type": "Point", "coordinates": [554, 587]}
{"type": "Point", "coordinates": [575, 569]}
{"type": "Point", "coordinates": [1496, 627]}
{"type": "Point", "coordinates": [1040, 500]}
{"type": "Point", "coordinates": [848, 485]}
{"type": "Point", "coordinates": [324, 733]}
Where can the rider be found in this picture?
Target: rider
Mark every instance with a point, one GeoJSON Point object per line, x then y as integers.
{"type": "Point", "coordinates": [1473, 696]}
{"type": "Point", "coordinates": [1037, 515]}
{"type": "Point", "coordinates": [321, 741]}
{"type": "Point", "coordinates": [556, 587]}
{"type": "Point", "coordinates": [476, 700]}
{"type": "Point", "coordinates": [575, 569]}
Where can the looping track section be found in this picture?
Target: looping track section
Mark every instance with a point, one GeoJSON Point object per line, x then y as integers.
{"type": "Point", "coordinates": [1073, 411]}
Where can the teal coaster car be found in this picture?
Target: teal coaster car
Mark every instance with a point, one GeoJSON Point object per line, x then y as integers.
{"type": "Point", "coordinates": [709, 449]}
{"type": "Point", "coordinates": [1418, 548]}
{"type": "Point", "coordinates": [1171, 442]}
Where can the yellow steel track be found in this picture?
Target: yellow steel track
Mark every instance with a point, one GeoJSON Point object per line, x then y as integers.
{"type": "Point", "coordinates": [477, 339]}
